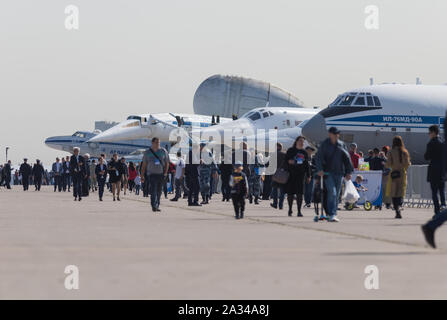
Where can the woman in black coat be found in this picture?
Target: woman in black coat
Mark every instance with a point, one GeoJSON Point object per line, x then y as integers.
{"type": "Point", "coordinates": [116, 171]}
{"type": "Point", "coordinates": [298, 166]}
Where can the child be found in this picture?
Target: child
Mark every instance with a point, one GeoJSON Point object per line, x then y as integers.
{"type": "Point", "coordinates": [239, 189]}
{"type": "Point", "coordinates": [137, 182]}
{"type": "Point", "coordinates": [358, 184]}
{"type": "Point", "coordinates": [359, 187]}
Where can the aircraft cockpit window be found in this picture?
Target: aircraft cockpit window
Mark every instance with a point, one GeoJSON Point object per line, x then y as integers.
{"type": "Point", "coordinates": [248, 114]}
{"type": "Point", "coordinates": [377, 101]}
{"type": "Point", "coordinates": [271, 113]}
{"type": "Point", "coordinates": [134, 118]}
{"type": "Point", "coordinates": [347, 100]}
{"type": "Point", "coordinates": [370, 101]}
{"type": "Point", "coordinates": [79, 134]}
{"type": "Point", "coordinates": [336, 101]}
{"type": "Point", "coordinates": [360, 101]}
{"type": "Point", "coordinates": [265, 114]}
{"type": "Point", "coordinates": [132, 124]}
{"type": "Point", "coordinates": [255, 116]}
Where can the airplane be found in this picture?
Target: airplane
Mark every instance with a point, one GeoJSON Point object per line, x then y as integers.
{"type": "Point", "coordinates": [165, 126]}
{"type": "Point", "coordinates": [371, 116]}
{"type": "Point", "coordinates": [81, 139]}
{"type": "Point", "coordinates": [282, 120]}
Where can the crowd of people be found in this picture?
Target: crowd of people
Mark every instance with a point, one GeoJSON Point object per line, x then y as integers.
{"type": "Point", "coordinates": [240, 175]}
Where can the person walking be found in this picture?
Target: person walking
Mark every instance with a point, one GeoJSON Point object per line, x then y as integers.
{"type": "Point", "coordinates": [309, 185]}
{"type": "Point", "coordinates": [101, 175]}
{"type": "Point", "coordinates": [137, 185]}
{"type": "Point", "coordinates": [278, 193]}
{"type": "Point", "coordinates": [429, 228]}
{"type": "Point", "coordinates": [38, 172]}
{"type": "Point", "coordinates": [63, 173]}
{"type": "Point", "coordinates": [215, 172]}
{"type": "Point", "coordinates": [179, 176]}
{"type": "Point", "coordinates": [205, 181]}
{"type": "Point", "coordinates": [132, 175]}
{"type": "Point", "coordinates": [2, 176]}
{"type": "Point", "coordinates": [205, 170]}
{"type": "Point", "coordinates": [226, 169]}
{"type": "Point", "coordinates": [436, 171]}
{"type": "Point", "coordinates": [239, 190]}
{"type": "Point", "coordinates": [254, 180]}
{"type": "Point", "coordinates": [116, 171]}
{"type": "Point", "coordinates": [93, 178]}
{"type": "Point", "coordinates": [377, 163]}
{"type": "Point", "coordinates": [77, 172]}
{"type": "Point", "coordinates": [298, 166]}
{"type": "Point", "coordinates": [25, 171]}
{"type": "Point", "coordinates": [192, 177]}
{"type": "Point", "coordinates": [66, 174]}
{"type": "Point", "coordinates": [6, 174]}
{"type": "Point", "coordinates": [398, 163]}
{"type": "Point", "coordinates": [332, 161]}
{"type": "Point", "coordinates": [125, 176]}
{"type": "Point", "coordinates": [86, 177]}
{"type": "Point", "coordinates": [57, 170]}
{"type": "Point", "coordinates": [355, 157]}
{"type": "Point", "coordinates": [171, 177]}
{"type": "Point", "coordinates": [156, 164]}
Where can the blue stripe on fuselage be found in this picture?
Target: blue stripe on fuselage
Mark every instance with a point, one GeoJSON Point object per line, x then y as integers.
{"type": "Point", "coordinates": [393, 119]}
{"type": "Point", "coordinates": [102, 143]}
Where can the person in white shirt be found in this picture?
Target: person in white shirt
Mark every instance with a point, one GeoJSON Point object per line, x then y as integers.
{"type": "Point", "coordinates": [57, 174]}
{"type": "Point", "coordinates": [137, 182]}
{"type": "Point", "coordinates": [179, 175]}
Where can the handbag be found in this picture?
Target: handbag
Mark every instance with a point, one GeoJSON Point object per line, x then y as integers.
{"type": "Point", "coordinates": [395, 174]}
{"type": "Point", "coordinates": [281, 176]}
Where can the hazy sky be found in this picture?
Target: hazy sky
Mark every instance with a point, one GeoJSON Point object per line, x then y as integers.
{"type": "Point", "coordinates": [133, 56]}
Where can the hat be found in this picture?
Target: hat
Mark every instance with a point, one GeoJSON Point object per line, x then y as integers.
{"type": "Point", "coordinates": [353, 145]}
{"type": "Point", "coordinates": [333, 130]}
{"type": "Point", "coordinates": [310, 148]}
{"type": "Point", "coordinates": [25, 159]}
{"type": "Point", "coordinates": [238, 164]}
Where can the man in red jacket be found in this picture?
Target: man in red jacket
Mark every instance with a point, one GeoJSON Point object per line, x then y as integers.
{"type": "Point", "coordinates": [355, 157]}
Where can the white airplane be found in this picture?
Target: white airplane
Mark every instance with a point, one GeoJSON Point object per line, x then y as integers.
{"type": "Point", "coordinates": [249, 127]}
{"type": "Point", "coordinates": [255, 128]}
{"type": "Point", "coordinates": [371, 116]}
{"type": "Point", "coordinates": [165, 126]}
{"type": "Point", "coordinates": [80, 139]}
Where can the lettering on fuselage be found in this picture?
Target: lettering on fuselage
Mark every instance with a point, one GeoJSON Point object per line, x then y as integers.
{"type": "Point", "coordinates": [405, 119]}
{"type": "Point", "coordinates": [119, 152]}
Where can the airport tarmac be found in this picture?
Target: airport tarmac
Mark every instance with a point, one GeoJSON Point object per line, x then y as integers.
{"type": "Point", "coordinates": [125, 251]}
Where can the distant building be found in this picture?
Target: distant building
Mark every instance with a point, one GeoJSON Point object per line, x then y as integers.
{"type": "Point", "coordinates": [230, 95]}
{"type": "Point", "coordinates": [104, 125]}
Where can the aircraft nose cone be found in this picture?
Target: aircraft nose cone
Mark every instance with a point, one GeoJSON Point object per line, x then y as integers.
{"type": "Point", "coordinates": [50, 140]}
{"type": "Point", "coordinates": [315, 129]}
{"type": "Point", "coordinates": [127, 130]}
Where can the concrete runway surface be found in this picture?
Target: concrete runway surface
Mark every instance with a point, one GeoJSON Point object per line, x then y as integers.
{"type": "Point", "coordinates": [125, 251]}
